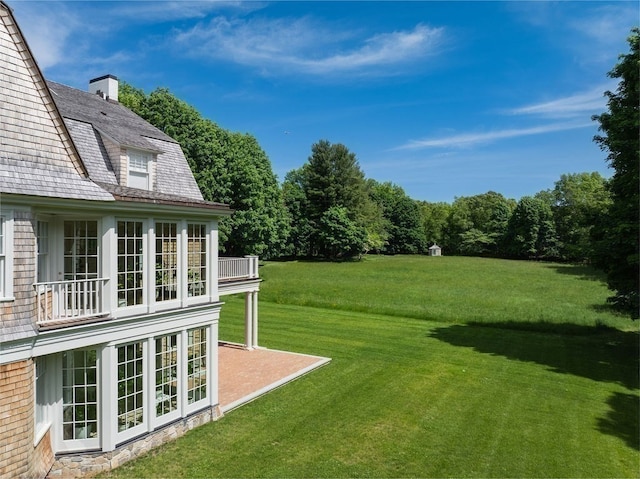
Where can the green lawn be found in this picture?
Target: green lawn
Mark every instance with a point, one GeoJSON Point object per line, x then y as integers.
{"type": "Point", "coordinates": [491, 382]}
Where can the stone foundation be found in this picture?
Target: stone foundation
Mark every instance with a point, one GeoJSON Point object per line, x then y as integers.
{"type": "Point", "coordinates": [89, 464]}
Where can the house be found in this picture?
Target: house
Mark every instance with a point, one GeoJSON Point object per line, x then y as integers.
{"type": "Point", "coordinates": [435, 250]}
{"type": "Point", "coordinates": [110, 280]}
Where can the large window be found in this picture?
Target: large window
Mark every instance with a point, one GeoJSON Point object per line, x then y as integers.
{"type": "Point", "coordinates": [196, 259]}
{"type": "Point", "coordinates": [166, 374]}
{"type": "Point", "coordinates": [130, 386]}
{"type": "Point", "coordinates": [80, 249]}
{"type": "Point", "coordinates": [166, 261]}
{"type": "Point", "coordinates": [196, 365]}
{"type": "Point", "coordinates": [130, 263]}
{"type": "Point", "coordinates": [139, 166]}
{"type": "Point", "coordinates": [79, 394]}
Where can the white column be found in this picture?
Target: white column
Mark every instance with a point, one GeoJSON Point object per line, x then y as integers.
{"type": "Point", "coordinates": [108, 398]}
{"type": "Point", "coordinates": [212, 366]}
{"type": "Point", "coordinates": [151, 267]}
{"type": "Point", "coordinates": [212, 280]}
{"type": "Point", "coordinates": [109, 264]}
{"type": "Point", "coordinates": [248, 321]}
{"type": "Point", "coordinates": [254, 317]}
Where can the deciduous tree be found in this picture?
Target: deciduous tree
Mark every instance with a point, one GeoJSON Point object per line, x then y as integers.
{"type": "Point", "coordinates": [531, 233]}
{"type": "Point", "coordinates": [620, 125]}
{"type": "Point", "coordinates": [579, 199]}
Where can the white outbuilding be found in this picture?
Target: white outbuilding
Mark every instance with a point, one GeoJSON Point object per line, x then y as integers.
{"type": "Point", "coordinates": [435, 250]}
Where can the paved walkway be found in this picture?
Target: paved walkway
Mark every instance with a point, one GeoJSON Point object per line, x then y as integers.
{"type": "Point", "coordinates": [244, 375]}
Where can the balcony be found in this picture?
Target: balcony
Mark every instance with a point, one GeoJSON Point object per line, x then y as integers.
{"type": "Point", "coordinates": [76, 300]}
{"type": "Point", "coordinates": [237, 269]}
{"type": "Point", "coordinates": [70, 300]}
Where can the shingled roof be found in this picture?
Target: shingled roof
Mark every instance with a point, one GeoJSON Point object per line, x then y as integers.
{"type": "Point", "coordinates": [107, 116]}
{"type": "Point", "coordinates": [93, 120]}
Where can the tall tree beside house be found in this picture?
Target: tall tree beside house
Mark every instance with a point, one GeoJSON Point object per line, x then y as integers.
{"type": "Point", "coordinates": [260, 223]}
{"type": "Point", "coordinates": [619, 235]}
{"type": "Point", "coordinates": [229, 168]}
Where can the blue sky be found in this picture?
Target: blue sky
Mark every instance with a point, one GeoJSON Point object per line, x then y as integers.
{"type": "Point", "coordinates": [444, 99]}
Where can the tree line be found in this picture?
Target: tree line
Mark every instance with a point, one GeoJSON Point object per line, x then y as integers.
{"type": "Point", "coordinates": [328, 209]}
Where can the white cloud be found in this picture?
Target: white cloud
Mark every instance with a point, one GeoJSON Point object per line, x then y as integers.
{"type": "Point", "coordinates": [578, 105]}
{"type": "Point", "coordinates": [159, 11]}
{"type": "Point", "coordinates": [47, 27]}
{"type": "Point", "coordinates": [608, 24]}
{"type": "Point", "coordinates": [464, 140]}
{"type": "Point", "coordinates": [305, 46]}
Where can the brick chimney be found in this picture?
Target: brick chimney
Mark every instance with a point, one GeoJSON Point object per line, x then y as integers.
{"type": "Point", "coordinates": [106, 86]}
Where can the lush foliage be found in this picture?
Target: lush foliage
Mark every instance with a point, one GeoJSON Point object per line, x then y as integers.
{"type": "Point", "coordinates": [578, 201]}
{"type": "Point", "coordinates": [409, 397]}
{"type": "Point", "coordinates": [477, 224]}
{"type": "Point", "coordinates": [404, 231]}
{"type": "Point", "coordinates": [434, 221]}
{"type": "Point", "coordinates": [531, 231]}
{"type": "Point", "coordinates": [328, 202]}
{"type": "Point", "coordinates": [229, 168]}
{"type": "Point", "coordinates": [619, 232]}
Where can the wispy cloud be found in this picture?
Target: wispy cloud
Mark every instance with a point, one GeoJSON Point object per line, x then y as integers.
{"type": "Point", "coordinates": [593, 35]}
{"type": "Point", "coordinates": [465, 140]}
{"type": "Point", "coordinates": [160, 11]}
{"type": "Point", "coordinates": [47, 28]}
{"type": "Point", "coordinates": [577, 105]}
{"type": "Point", "coordinates": [303, 45]}
{"type": "Point", "coordinates": [60, 33]}
{"type": "Point", "coordinates": [607, 25]}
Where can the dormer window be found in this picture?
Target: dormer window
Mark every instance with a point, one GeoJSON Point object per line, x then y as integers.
{"type": "Point", "coordinates": [139, 169]}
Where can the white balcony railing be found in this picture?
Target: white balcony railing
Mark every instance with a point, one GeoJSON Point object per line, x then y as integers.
{"type": "Point", "coordinates": [70, 300]}
{"type": "Point", "coordinates": [235, 269]}
{"type": "Point", "coordinates": [61, 301]}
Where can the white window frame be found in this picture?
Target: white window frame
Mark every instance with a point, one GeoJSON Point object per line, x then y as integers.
{"type": "Point", "coordinates": [192, 406]}
{"type": "Point", "coordinates": [142, 426]}
{"type": "Point", "coordinates": [138, 308]}
{"type": "Point", "coordinates": [168, 274]}
{"type": "Point", "coordinates": [6, 257]}
{"type": "Point", "coordinates": [197, 272]}
{"type": "Point", "coordinates": [139, 167]}
{"type": "Point", "coordinates": [177, 380]}
{"type": "Point", "coordinates": [80, 443]}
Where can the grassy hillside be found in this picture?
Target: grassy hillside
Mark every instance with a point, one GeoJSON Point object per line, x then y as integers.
{"type": "Point", "coordinates": [447, 289]}
{"type": "Point", "coordinates": [424, 390]}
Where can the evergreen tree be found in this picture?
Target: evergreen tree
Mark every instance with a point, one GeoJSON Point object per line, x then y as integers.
{"type": "Point", "coordinates": [332, 178]}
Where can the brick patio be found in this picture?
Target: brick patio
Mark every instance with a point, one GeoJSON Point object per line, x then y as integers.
{"type": "Point", "coordinates": [245, 375]}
